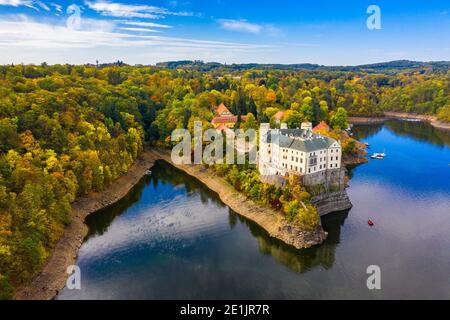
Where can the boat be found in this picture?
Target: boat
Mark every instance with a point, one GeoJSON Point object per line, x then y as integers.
{"type": "Point", "coordinates": [378, 156]}
{"type": "Point", "coordinates": [148, 172]}
{"type": "Point", "coordinates": [366, 144]}
{"type": "Point", "coordinates": [370, 223]}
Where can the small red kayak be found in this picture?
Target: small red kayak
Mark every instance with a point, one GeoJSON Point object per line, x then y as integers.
{"type": "Point", "coordinates": [370, 222]}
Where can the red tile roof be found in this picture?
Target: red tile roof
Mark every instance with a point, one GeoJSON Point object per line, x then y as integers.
{"type": "Point", "coordinates": [322, 126]}
{"type": "Point", "coordinates": [221, 109]}
{"type": "Point", "coordinates": [227, 119]}
{"type": "Point", "coordinates": [279, 115]}
{"type": "Point", "coordinates": [224, 119]}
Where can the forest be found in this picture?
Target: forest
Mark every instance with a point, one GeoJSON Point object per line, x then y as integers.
{"type": "Point", "coordinates": [66, 130]}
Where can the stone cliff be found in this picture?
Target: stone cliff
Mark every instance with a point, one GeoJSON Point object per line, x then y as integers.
{"type": "Point", "coordinates": [331, 202]}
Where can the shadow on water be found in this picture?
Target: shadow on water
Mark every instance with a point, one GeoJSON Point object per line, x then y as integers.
{"type": "Point", "coordinates": [420, 131]}
{"type": "Point", "coordinates": [298, 261]}
{"type": "Point", "coordinates": [99, 221]}
{"type": "Point", "coordinates": [365, 131]}
{"type": "Point", "coordinates": [417, 130]}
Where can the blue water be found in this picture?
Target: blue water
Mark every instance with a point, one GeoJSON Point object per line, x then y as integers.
{"type": "Point", "coordinates": [172, 238]}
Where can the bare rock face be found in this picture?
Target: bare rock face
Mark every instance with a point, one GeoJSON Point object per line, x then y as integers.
{"type": "Point", "coordinates": [331, 202]}
{"type": "Point", "coordinates": [300, 238]}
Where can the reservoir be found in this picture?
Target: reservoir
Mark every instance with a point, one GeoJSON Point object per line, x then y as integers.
{"type": "Point", "coordinates": [172, 238]}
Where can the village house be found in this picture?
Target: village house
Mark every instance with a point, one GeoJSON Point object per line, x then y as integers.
{"type": "Point", "coordinates": [224, 119]}
{"type": "Point", "coordinates": [299, 152]}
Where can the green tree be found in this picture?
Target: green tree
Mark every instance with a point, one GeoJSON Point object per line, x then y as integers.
{"type": "Point", "coordinates": [340, 119]}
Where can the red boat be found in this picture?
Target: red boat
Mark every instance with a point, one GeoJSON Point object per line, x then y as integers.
{"type": "Point", "coordinates": [370, 222]}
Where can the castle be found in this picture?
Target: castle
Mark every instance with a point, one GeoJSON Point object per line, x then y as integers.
{"type": "Point", "coordinates": [300, 152]}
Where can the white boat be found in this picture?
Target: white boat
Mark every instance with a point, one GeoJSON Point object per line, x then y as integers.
{"type": "Point", "coordinates": [379, 156]}
{"type": "Point", "coordinates": [148, 172]}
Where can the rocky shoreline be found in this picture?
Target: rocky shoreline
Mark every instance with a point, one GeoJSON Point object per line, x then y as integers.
{"type": "Point", "coordinates": [331, 202]}
{"type": "Point", "coordinates": [367, 120]}
{"type": "Point", "coordinates": [400, 115]}
{"type": "Point", "coordinates": [431, 119]}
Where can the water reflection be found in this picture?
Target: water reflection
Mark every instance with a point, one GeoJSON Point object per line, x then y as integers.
{"type": "Point", "coordinates": [363, 132]}
{"type": "Point", "coordinates": [164, 174]}
{"type": "Point", "coordinates": [417, 130]}
{"type": "Point", "coordinates": [297, 260]}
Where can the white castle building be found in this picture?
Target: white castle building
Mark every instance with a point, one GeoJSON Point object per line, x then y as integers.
{"type": "Point", "coordinates": [300, 152]}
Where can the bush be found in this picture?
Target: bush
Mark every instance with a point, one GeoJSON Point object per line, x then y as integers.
{"type": "Point", "coordinates": [308, 218]}
{"type": "Point", "coordinates": [291, 208]}
{"type": "Point", "coordinates": [349, 146]}
{"type": "Point", "coordinates": [6, 290]}
{"type": "Point", "coordinates": [444, 114]}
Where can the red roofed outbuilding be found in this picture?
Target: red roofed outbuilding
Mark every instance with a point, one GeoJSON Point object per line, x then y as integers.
{"type": "Point", "coordinates": [222, 110]}
{"type": "Point", "coordinates": [322, 126]}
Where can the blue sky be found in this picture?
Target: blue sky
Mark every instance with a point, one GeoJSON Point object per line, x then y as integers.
{"type": "Point", "coordinates": [227, 31]}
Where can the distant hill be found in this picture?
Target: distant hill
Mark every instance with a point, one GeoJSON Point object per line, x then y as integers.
{"type": "Point", "coordinates": [398, 65]}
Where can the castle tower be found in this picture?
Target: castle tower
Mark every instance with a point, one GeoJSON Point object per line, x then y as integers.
{"type": "Point", "coordinates": [306, 126]}
{"type": "Point", "coordinates": [264, 156]}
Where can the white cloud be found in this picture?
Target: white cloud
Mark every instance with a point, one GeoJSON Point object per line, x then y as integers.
{"type": "Point", "coordinates": [240, 25]}
{"type": "Point", "coordinates": [145, 24]}
{"type": "Point", "coordinates": [139, 29]}
{"type": "Point", "coordinates": [43, 5]}
{"type": "Point", "coordinates": [114, 9]}
{"type": "Point", "coordinates": [57, 7]}
{"type": "Point", "coordinates": [34, 4]}
{"type": "Point", "coordinates": [21, 31]}
{"type": "Point", "coordinates": [245, 26]}
{"type": "Point", "coordinates": [16, 3]}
